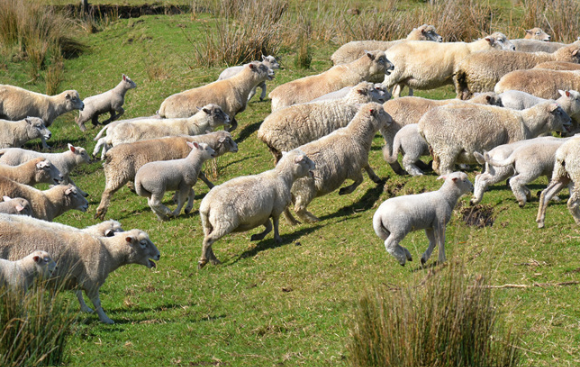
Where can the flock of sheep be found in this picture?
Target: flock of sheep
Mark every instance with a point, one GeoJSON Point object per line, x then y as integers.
{"type": "Point", "coordinates": [320, 133]}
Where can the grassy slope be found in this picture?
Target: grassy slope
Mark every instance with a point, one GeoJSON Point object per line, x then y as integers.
{"type": "Point", "coordinates": [287, 304]}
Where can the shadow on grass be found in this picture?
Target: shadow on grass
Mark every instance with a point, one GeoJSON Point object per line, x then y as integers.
{"type": "Point", "coordinates": [363, 204]}
{"type": "Point", "coordinates": [247, 131]}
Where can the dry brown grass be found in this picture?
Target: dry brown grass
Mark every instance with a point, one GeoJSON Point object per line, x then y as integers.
{"type": "Point", "coordinates": [557, 17]}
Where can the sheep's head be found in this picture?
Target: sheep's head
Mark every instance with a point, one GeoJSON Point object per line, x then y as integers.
{"type": "Point", "coordinates": [298, 163]}
{"type": "Point", "coordinates": [80, 154]}
{"type": "Point", "coordinates": [376, 115]}
{"type": "Point", "coordinates": [428, 33]}
{"type": "Point", "coordinates": [46, 172]}
{"type": "Point", "coordinates": [369, 92]}
{"type": "Point", "coordinates": [226, 144]}
{"type": "Point", "coordinates": [271, 62]}
{"type": "Point", "coordinates": [203, 149]}
{"type": "Point", "coordinates": [500, 41]}
{"type": "Point", "coordinates": [457, 180]}
{"type": "Point", "coordinates": [45, 265]}
{"type": "Point", "coordinates": [35, 128]}
{"type": "Point", "coordinates": [379, 64]}
{"type": "Point", "coordinates": [128, 83]}
{"type": "Point", "coordinates": [72, 100]}
{"type": "Point", "coordinates": [74, 198]}
{"type": "Point", "coordinates": [142, 250]}
{"type": "Point", "coordinates": [558, 119]}
{"type": "Point", "coordinates": [537, 34]}
{"type": "Point", "coordinates": [261, 71]}
{"type": "Point", "coordinates": [216, 116]}
{"type": "Point", "coordinates": [20, 206]}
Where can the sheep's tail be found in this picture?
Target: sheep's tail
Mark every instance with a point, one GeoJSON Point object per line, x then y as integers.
{"type": "Point", "coordinates": [379, 228]}
{"type": "Point", "coordinates": [392, 157]}
{"type": "Point", "coordinates": [265, 137]}
{"type": "Point", "coordinates": [205, 223]}
{"type": "Point", "coordinates": [461, 87]}
{"type": "Point", "coordinates": [140, 190]}
{"type": "Point", "coordinates": [501, 163]}
{"type": "Point", "coordinates": [100, 134]}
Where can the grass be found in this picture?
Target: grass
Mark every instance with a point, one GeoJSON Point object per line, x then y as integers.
{"type": "Point", "coordinates": [293, 303]}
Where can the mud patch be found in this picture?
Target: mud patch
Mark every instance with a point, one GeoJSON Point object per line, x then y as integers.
{"type": "Point", "coordinates": [478, 216]}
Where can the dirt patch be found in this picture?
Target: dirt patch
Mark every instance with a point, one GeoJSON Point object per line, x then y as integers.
{"type": "Point", "coordinates": [478, 216]}
{"type": "Point", "coordinates": [125, 11]}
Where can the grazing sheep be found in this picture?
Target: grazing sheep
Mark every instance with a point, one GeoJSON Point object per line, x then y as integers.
{"type": "Point", "coordinates": [372, 63]}
{"type": "Point", "coordinates": [480, 72]}
{"type": "Point", "coordinates": [539, 82]}
{"type": "Point", "coordinates": [111, 101]}
{"type": "Point", "coordinates": [380, 94]}
{"type": "Point", "coordinates": [123, 161]}
{"type": "Point", "coordinates": [180, 175]}
{"type": "Point", "coordinates": [531, 45]}
{"type": "Point", "coordinates": [16, 133]}
{"type": "Point", "coordinates": [338, 156]}
{"type": "Point", "coordinates": [47, 204]}
{"type": "Point", "coordinates": [413, 146]}
{"type": "Point", "coordinates": [230, 94]}
{"type": "Point", "coordinates": [17, 206]}
{"type": "Point", "coordinates": [84, 261]}
{"type": "Point", "coordinates": [290, 127]}
{"type": "Point", "coordinates": [455, 132]}
{"type": "Point", "coordinates": [269, 61]}
{"type": "Point", "coordinates": [558, 65]}
{"type": "Point", "coordinates": [17, 276]}
{"type": "Point", "coordinates": [429, 65]}
{"type": "Point", "coordinates": [431, 211]}
{"type": "Point", "coordinates": [247, 202]}
{"type": "Point", "coordinates": [33, 172]}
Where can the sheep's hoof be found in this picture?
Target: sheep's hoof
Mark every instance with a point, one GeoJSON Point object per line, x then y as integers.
{"type": "Point", "coordinates": [540, 224]}
{"type": "Point", "coordinates": [343, 191]}
{"type": "Point", "coordinates": [201, 264]}
{"type": "Point", "coordinates": [256, 237]}
{"type": "Point", "coordinates": [521, 205]}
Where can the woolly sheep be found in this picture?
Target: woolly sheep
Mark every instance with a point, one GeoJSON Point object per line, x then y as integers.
{"type": "Point", "coordinates": [539, 82]}
{"type": "Point", "coordinates": [558, 65]}
{"type": "Point", "coordinates": [84, 261]}
{"type": "Point", "coordinates": [455, 132]}
{"type": "Point", "coordinates": [180, 175]}
{"type": "Point", "coordinates": [111, 101]}
{"type": "Point", "coordinates": [230, 94]}
{"type": "Point", "coordinates": [413, 146]}
{"type": "Point", "coordinates": [269, 61]}
{"type": "Point", "coordinates": [18, 276]}
{"type": "Point", "coordinates": [16, 133]}
{"type": "Point", "coordinates": [123, 161]}
{"type": "Point", "coordinates": [431, 211]}
{"type": "Point", "coordinates": [247, 202]}
{"type": "Point", "coordinates": [428, 65]}
{"type": "Point", "coordinates": [531, 45]}
{"type": "Point", "coordinates": [290, 127]}
{"type": "Point", "coordinates": [372, 63]}
{"type": "Point", "coordinates": [117, 122]}
{"type": "Point", "coordinates": [33, 172]}
{"type": "Point", "coordinates": [17, 206]}
{"type": "Point", "coordinates": [338, 156]}
{"type": "Point", "coordinates": [380, 94]}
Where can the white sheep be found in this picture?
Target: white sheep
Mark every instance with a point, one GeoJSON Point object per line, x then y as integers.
{"type": "Point", "coordinates": [109, 102]}
{"type": "Point", "coordinates": [371, 64]}
{"type": "Point", "coordinates": [17, 206]}
{"type": "Point", "coordinates": [84, 261]}
{"type": "Point", "coordinates": [429, 65]}
{"type": "Point", "coordinates": [16, 133]}
{"type": "Point", "coordinates": [117, 122]}
{"type": "Point", "coordinates": [558, 65]}
{"type": "Point", "coordinates": [531, 45]}
{"type": "Point", "coordinates": [413, 146]}
{"type": "Point", "coordinates": [33, 172]}
{"type": "Point", "coordinates": [431, 211]}
{"type": "Point", "coordinates": [269, 61]}
{"type": "Point", "coordinates": [338, 156]}
{"type": "Point", "coordinates": [180, 175]}
{"type": "Point", "coordinates": [17, 276]}
{"type": "Point", "coordinates": [290, 127]}
{"type": "Point", "coordinates": [455, 132]}
{"type": "Point", "coordinates": [106, 228]}
{"type": "Point", "coordinates": [380, 94]}
{"type": "Point", "coordinates": [539, 82]}
{"type": "Point", "coordinates": [247, 202]}
{"type": "Point", "coordinates": [123, 161]}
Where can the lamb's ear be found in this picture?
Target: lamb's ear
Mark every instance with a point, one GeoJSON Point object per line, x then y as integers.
{"type": "Point", "coordinates": [528, 31]}
{"type": "Point", "coordinates": [362, 91]}
{"type": "Point", "coordinates": [561, 92]}
{"type": "Point", "coordinates": [19, 208]}
{"type": "Point", "coordinates": [221, 140]}
{"type": "Point", "coordinates": [488, 98]}
{"type": "Point", "coordinates": [6, 198]}
{"type": "Point", "coordinates": [454, 179]}
{"type": "Point", "coordinates": [370, 55]}
{"type": "Point", "coordinates": [109, 233]}
{"type": "Point", "coordinates": [252, 66]}
{"type": "Point", "coordinates": [130, 239]}
{"type": "Point", "coordinates": [263, 58]}
{"type": "Point", "coordinates": [124, 77]}
{"type": "Point", "coordinates": [442, 177]}
{"type": "Point", "coordinates": [206, 110]}
{"type": "Point", "coordinates": [479, 157]}
{"type": "Point", "coordinates": [28, 120]}
{"type": "Point", "coordinates": [553, 107]}
{"type": "Point", "coordinates": [490, 40]}
{"type": "Point", "coordinates": [71, 147]}
{"type": "Point", "coordinates": [36, 258]}
{"type": "Point", "coordinates": [422, 28]}
{"type": "Point", "coordinates": [193, 145]}
{"type": "Point", "coordinates": [575, 52]}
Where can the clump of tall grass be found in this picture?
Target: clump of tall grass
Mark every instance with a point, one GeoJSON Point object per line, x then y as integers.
{"type": "Point", "coordinates": [447, 320]}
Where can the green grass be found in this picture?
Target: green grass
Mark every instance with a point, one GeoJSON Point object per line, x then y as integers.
{"type": "Point", "coordinates": [288, 304]}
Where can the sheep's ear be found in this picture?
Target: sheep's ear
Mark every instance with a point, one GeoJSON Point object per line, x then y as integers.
{"type": "Point", "coordinates": [454, 179]}
{"type": "Point", "coordinates": [442, 177]}
{"type": "Point", "coordinates": [6, 198]}
{"type": "Point", "coordinates": [193, 145]}
{"type": "Point", "coordinates": [124, 77]}
{"type": "Point", "coordinates": [109, 233]}
{"type": "Point", "coordinates": [299, 158]}
{"type": "Point", "coordinates": [529, 31]}
{"type": "Point", "coordinates": [28, 120]}
{"type": "Point", "coordinates": [252, 66]}
{"type": "Point", "coordinates": [373, 111]}
{"type": "Point", "coordinates": [68, 96]}
{"type": "Point", "coordinates": [362, 91]}
{"type": "Point", "coordinates": [370, 55]}
{"type": "Point", "coordinates": [69, 191]}
{"type": "Point", "coordinates": [36, 258]}
{"type": "Point", "coordinates": [488, 98]}
{"type": "Point", "coordinates": [71, 147]}
{"type": "Point", "coordinates": [20, 208]}
{"type": "Point", "coordinates": [221, 140]}
{"type": "Point", "coordinates": [264, 58]}
{"type": "Point", "coordinates": [490, 40]}
{"type": "Point", "coordinates": [553, 107]}
{"type": "Point", "coordinates": [207, 110]}
{"type": "Point", "coordinates": [422, 28]}
{"type": "Point", "coordinates": [130, 239]}
{"type": "Point", "coordinates": [198, 108]}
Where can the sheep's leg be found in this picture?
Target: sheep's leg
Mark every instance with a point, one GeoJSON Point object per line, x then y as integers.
{"type": "Point", "coordinates": [190, 198]}
{"type": "Point", "coordinates": [573, 208]}
{"type": "Point", "coordinates": [289, 217]}
{"type": "Point", "coordinates": [440, 238]}
{"type": "Point", "coordinates": [114, 115]}
{"type": "Point", "coordinates": [94, 120]}
{"type": "Point", "coordinates": [93, 295]}
{"type": "Point", "coordinates": [397, 91]}
{"type": "Point", "coordinates": [276, 220]}
{"type": "Point", "coordinates": [432, 243]}
{"type": "Point", "coordinates": [253, 93]}
{"type": "Point", "coordinates": [410, 166]}
{"type": "Point", "coordinates": [358, 179]}
{"type": "Point", "coordinates": [372, 174]}
{"type": "Point", "coordinates": [410, 92]}
{"type": "Point", "coordinates": [446, 162]}
{"type": "Point", "coordinates": [261, 235]}
{"type": "Point", "coordinates": [553, 188]}
{"type": "Point", "coordinates": [111, 186]}
{"type": "Point", "coordinates": [182, 196]}
{"type": "Point", "coordinates": [233, 125]}
{"type": "Point", "coordinates": [521, 192]}
{"type": "Point", "coordinates": [204, 179]}
{"type": "Point", "coordinates": [84, 307]}
{"type": "Point", "coordinates": [207, 252]}
{"type": "Point", "coordinates": [389, 136]}
{"type": "Point", "coordinates": [262, 86]}
{"type": "Point", "coordinates": [158, 208]}
{"type": "Point", "coordinates": [392, 246]}
{"type": "Point", "coordinates": [301, 203]}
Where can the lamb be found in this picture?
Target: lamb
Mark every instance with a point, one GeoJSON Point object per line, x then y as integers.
{"type": "Point", "coordinates": [16, 133]}
{"type": "Point", "coordinates": [531, 45]}
{"type": "Point", "coordinates": [111, 101]}
{"type": "Point", "coordinates": [558, 65]}
{"type": "Point", "coordinates": [539, 82]}
{"type": "Point", "coordinates": [429, 65]}
{"type": "Point", "coordinates": [355, 49]}
{"type": "Point", "coordinates": [338, 156]}
{"type": "Point", "coordinates": [155, 178]}
{"type": "Point", "coordinates": [247, 202]}
{"type": "Point", "coordinates": [17, 103]}
{"type": "Point", "coordinates": [455, 132]}
{"type": "Point", "coordinates": [380, 94]}
{"type": "Point", "coordinates": [299, 124]}
{"type": "Point", "coordinates": [17, 206]}
{"type": "Point", "coordinates": [123, 161]}
{"type": "Point", "coordinates": [209, 118]}
{"type": "Point", "coordinates": [230, 94]}
{"type": "Point", "coordinates": [537, 34]}
{"type": "Point", "coordinates": [33, 172]}
{"type": "Point", "coordinates": [84, 261]}
{"type": "Point", "coordinates": [269, 61]}
{"type": "Point", "coordinates": [431, 211]}
{"type": "Point", "coordinates": [47, 204]}
{"type": "Point", "coordinates": [480, 72]}
{"type": "Point", "coordinates": [17, 276]}
{"type": "Point", "coordinates": [413, 146]}
{"type": "Point", "coordinates": [372, 63]}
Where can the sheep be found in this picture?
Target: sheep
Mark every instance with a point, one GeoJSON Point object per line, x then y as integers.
{"type": "Point", "coordinates": [428, 65]}
{"type": "Point", "coordinates": [18, 103]}
{"type": "Point", "coordinates": [111, 101]}
{"type": "Point", "coordinates": [47, 204]}
{"type": "Point", "coordinates": [17, 206]}
{"type": "Point", "coordinates": [17, 276]}
{"type": "Point", "coordinates": [209, 118]}
{"type": "Point", "coordinates": [455, 132]}
{"type": "Point", "coordinates": [16, 133]}
{"type": "Point", "coordinates": [372, 63]}
{"type": "Point", "coordinates": [531, 45]}
{"type": "Point", "coordinates": [537, 34]}
{"type": "Point", "coordinates": [153, 179]}
{"type": "Point", "coordinates": [565, 173]}
{"type": "Point", "coordinates": [108, 228]}
{"type": "Point", "coordinates": [558, 65]}
{"type": "Point", "coordinates": [338, 156]}
{"type": "Point", "coordinates": [353, 50]}
{"type": "Point", "coordinates": [409, 110]}
{"type": "Point", "coordinates": [539, 82]}
{"type": "Point", "coordinates": [413, 146]}
{"type": "Point", "coordinates": [480, 72]}
{"type": "Point", "coordinates": [431, 211]}
{"type": "Point", "coordinates": [33, 172]}
{"type": "Point", "coordinates": [379, 93]}
{"type": "Point", "coordinates": [290, 127]}
{"type": "Point", "coordinates": [123, 161]}
{"type": "Point", "coordinates": [247, 202]}
{"type": "Point", "coordinates": [269, 61]}
{"type": "Point", "coordinates": [230, 94]}
{"type": "Point", "coordinates": [84, 261]}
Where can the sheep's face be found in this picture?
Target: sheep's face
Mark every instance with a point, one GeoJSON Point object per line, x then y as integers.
{"type": "Point", "coordinates": [205, 150]}
{"type": "Point", "coordinates": [226, 144]}
{"type": "Point", "coordinates": [379, 63]}
{"type": "Point", "coordinates": [428, 33]}
{"type": "Point", "coordinates": [559, 120]}
{"type": "Point", "coordinates": [72, 100]}
{"type": "Point", "coordinates": [18, 206]}
{"type": "Point", "coordinates": [271, 62]}
{"type": "Point", "coordinates": [369, 92]}
{"type": "Point", "coordinates": [377, 115]}
{"type": "Point", "coordinates": [46, 172]}
{"type": "Point", "coordinates": [217, 117]}
{"type": "Point", "coordinates": [488, 98]}
{"type": "Point", "coordinates": [45, 265]}
{"type": "Point", "coordinates": [301, 165]}
{"type": "Point", "coordinates": [572, 102]}
{"type": "Point", "coordinates": [35, 128]}
{"type": "Point", "coordinates": [501, 42]}
{"type": "Point", "coordinates": [81, 155]}
{"type": "Point", "coordinates": [458, 180]}
{"type": "Point", "coordinates": [261, 71]}
{"type": "Point", "coordinates": [74, 198]}
{"type": "Point", "coordinates": [537, 34]}
{"type": "Point", "coordinates": [128, 83]}
{"type": "Point", "coordinates": [143, 251]}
